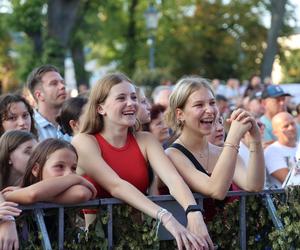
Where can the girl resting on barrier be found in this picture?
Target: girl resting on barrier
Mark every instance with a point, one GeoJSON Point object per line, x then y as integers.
{"type": "Point", "coordinates": [51, 177]}
{"type": "Point", "coordinates": [15, 149]}
{"type": "Point", "coordinates": [206, 168]}
{"type": "Point", "coordinates": [114, 157]}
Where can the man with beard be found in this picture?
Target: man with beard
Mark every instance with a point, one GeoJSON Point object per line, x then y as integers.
{"type": "Point", "coordinates": [48, 89]}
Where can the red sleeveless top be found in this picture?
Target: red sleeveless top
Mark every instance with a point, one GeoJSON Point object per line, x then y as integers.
{"type": "Point", "coordinates": [128, 162]}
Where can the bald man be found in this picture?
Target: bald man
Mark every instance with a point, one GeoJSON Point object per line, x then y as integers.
{"type": "Point", "coordinates": [282, 152]}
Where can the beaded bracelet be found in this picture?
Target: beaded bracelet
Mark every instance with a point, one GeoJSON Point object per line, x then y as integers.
{"type": "Point", "coordinates": [236, 147]}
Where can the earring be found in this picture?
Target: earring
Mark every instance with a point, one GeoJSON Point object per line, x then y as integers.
{"type": "Point", "coordinates": [180, 123]}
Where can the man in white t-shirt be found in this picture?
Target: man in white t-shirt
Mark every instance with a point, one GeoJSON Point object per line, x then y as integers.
{"type": "Point", "coordinates": [280, 154]}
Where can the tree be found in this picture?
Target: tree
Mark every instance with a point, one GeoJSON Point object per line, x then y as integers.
{"type": "Point", "coordinates": [277, 17]}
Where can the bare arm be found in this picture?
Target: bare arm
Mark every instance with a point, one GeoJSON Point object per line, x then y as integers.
{"type": "Point", "coordinates": [280, 174]}
{"type": "Point", "coordinates": [216, 185]}
{"type": "Point", "coordinates": [91, 161]}
{"type": "Point", "coordinates": [252, 178]}
{"type": "Point", "coordinates": [8, 232]}
{"type": "Point", "coordinates": [166, 171]}
{"type": "Point", "coordinates": [45, 190]}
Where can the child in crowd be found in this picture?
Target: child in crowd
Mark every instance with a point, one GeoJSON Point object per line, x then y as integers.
{"type": "Point", "coordinates": [16, 147]}
{"type": "Point", "coordinates": [50, 177]}
{"type": "Point", "coordinates": [114, 157]}
{"type": "Point", "coordinates": [16, 114]}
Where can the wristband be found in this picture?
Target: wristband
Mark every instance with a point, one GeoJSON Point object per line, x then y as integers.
{"type": "Point", "coordinates": [193, 208]}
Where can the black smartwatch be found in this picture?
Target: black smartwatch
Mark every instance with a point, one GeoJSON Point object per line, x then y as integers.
{"type": "Point", "coordinates": [193, 208]}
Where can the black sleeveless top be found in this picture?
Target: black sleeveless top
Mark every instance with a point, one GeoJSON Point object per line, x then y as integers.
{"type": "Point", "coordinates": [211, 206]}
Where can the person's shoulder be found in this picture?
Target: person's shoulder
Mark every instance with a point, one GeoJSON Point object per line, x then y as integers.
{"type": "Point", "coordinates": [143, 136]}
{"type": "Point", "coordinates": [81, 139]}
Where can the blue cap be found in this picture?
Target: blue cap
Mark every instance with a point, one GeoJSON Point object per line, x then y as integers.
{"type": "Point", "coordinates": [273, 91]}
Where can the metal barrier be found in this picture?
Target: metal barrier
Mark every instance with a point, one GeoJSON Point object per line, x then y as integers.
{"type": "Point", "coordinates": [164, 201]}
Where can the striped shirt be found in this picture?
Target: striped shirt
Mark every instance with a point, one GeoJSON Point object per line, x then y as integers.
{"type": "Point", "coordinates": [48, 130]}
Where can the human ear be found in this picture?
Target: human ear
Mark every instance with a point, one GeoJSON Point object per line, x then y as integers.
{"type": "Point", "coordinates": [74, 125]}
{"type": "Point", "coordinates": [39, 94]}
{"type": "Point", "coordinates": [179, 114]}
{"type": "Point", "coordinates": [100, 110]}
{"type": "Point", "coordinates": [35, 170]}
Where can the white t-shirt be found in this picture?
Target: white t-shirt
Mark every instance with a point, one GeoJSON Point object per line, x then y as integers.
{"type": "Point", "coordinates": [276, 157]}
{"type": "Point", "coordinates": [298, 152]}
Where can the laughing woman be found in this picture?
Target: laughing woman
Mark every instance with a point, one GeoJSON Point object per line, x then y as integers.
{"type": "Point", "coordinates": [206, 168]}
{"type": "Point", "coordinates": [114, 157]}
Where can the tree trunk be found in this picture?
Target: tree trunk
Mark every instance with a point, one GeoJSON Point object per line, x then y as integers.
{"type": "Point", "coordinates": [277, 15]}
{"type": "Point", "coordinates": [62, 15]}
{"type": "Point", "coordinates": [131, 39]}
{"type": "Point", "coordinates": [79, 63]}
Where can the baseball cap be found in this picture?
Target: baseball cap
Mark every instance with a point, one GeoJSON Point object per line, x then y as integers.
{"type": "Point", "coordinates": [273, 91]}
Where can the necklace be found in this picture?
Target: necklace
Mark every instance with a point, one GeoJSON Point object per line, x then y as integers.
{"type": "Point", "coordinates": [202, 156]}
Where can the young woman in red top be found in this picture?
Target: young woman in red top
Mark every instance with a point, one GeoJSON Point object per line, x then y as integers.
{"type": "Point", "coordinates": [108, 142]}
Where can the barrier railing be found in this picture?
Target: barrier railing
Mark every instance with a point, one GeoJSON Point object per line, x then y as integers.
{"type": "Point", "coordinates": [164, 201]}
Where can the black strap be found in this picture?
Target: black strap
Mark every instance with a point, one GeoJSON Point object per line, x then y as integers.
{"type": "Point", "coordinates": [190, 156]}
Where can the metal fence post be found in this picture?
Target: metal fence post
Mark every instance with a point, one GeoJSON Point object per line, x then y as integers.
{"type": "Point", "coordinates": [38, 214]}
{"type": "Point", "coordinates": [61, 228]}
{"type": "Point", "coordinates": [110, 226]}
{"type": "Point", "coordinates": [243, 238]}
{"type": "Point", "coordinates": [272, 212]}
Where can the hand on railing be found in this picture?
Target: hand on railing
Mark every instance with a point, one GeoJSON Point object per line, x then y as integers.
{"type": "Point", "coordinates": [184, 238]}
{"type": "Point", "coordinates": [8, 233]}
{"type": "Point", "coordinates": [197, 226]}
{"type": "Point", "coordinates": [8, 210]}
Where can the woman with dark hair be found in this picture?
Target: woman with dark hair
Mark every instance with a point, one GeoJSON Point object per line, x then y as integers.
{"type": "Point", "coordinates": [253, 86]}
{"type": "Point", "coordinates": [16, 114]}
{"type": "Point", "coordinates": [71, 114]}
{"type": "Point", "coordinates": [157, 125]}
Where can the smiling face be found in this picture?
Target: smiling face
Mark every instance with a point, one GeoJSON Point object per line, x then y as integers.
{"type": "Point", "coordinates": [120, 106]}
{"type": "Point", "coordinates": [217, 135]}
{"type": "Point", "coordinates": [159, 129]}
{"type": "Point", "coordinates": [17, 117]}
{"type": "Point", "coordinates": [199, 113]}
{"type": "Point", "coordinates": [62, 162]}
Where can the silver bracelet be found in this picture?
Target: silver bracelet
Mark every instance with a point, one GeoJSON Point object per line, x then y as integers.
{"type": "Point", "coordinates": [7, 218]}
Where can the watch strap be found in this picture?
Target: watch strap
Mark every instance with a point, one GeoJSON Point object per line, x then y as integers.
{"type": "Point", "coordinates": [193, 208]}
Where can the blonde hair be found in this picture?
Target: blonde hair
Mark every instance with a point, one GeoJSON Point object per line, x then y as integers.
{"type": "Point", "coordinates": [179, 96]}
{"type": "Point", "coordinates": [93, 121]}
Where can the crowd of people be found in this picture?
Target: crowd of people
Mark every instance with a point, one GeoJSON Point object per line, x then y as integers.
{"type": "Point", "coordinates": [195, 136]}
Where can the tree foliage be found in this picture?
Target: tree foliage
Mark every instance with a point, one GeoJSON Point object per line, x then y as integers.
{"type": "Point", "coordinates": [211, 38]}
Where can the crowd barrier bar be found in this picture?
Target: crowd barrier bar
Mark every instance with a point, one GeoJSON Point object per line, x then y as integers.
{"type": "Point", "coordinates": [109, 202]}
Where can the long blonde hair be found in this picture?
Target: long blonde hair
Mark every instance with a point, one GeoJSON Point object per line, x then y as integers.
{"type": "Point", "coordinates": [179, 96]}
{"type": "Point", "coordinates": [93, 121]}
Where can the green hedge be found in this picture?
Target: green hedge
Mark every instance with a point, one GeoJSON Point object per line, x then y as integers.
{"type": "Point", "coordinates": [133, 230]}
